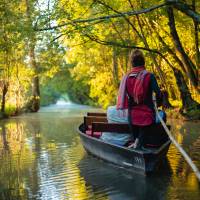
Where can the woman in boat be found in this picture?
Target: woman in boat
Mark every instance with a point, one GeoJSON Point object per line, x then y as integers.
{"type": "Point", "coordinates": [135, 94]}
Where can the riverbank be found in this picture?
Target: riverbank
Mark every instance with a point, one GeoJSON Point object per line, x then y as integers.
{"type": "Point", "coordinates": [172, 113]}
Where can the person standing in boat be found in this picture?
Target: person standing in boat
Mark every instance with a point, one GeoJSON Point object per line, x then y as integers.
{"type": "Point", "coordinates": [135, 94]}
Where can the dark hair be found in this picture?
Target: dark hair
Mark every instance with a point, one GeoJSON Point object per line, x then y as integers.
{"type": "Point", "coordinates": [137, 58]}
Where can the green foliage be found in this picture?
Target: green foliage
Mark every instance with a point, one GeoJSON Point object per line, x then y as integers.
{"type": "Point", "coordinates": [194, 114]}
{"type": "Point", "coordinates": [10, 110]}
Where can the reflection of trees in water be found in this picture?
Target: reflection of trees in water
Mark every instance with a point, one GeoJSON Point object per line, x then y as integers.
{"type": "Point", "coordinates": [5, 145]}
{"type": "Point", "coordinates": [195, 152]}
{"type": "Point", "coordinates": [20, 156]}
{"type": "Point", "coordinates": [110, 181]}
{"type": "Point", "coordinates": [183, 177]}
{"type": "Point", "coordinates": [53, 178]}
{"type": "Point", "coordinates": [35, 163]}
{"type": "Point", "coordinates": [12, 138]}
{"type": "Point", "coordinates": [74, 184]}
{"type": "Point", "coordinates": [14, 155]}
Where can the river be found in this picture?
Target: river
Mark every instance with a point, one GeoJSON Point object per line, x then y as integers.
{"type": "Point", "coordinates": [41, 158]}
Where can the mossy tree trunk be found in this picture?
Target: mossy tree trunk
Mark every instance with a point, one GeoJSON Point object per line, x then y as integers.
{"type": "Point", "coordinates": [34, 104]}
{"type": "Point", "coordinates": [3, 99]}
{"type": "Point", "coordinates": [188, 102]}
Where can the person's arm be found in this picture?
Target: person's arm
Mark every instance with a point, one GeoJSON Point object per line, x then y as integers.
{"type": "Point", "coordinates": [155, 88]}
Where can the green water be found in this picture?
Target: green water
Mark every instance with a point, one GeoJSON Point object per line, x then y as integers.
{"type": "Point", "coordinates": [41, 158]}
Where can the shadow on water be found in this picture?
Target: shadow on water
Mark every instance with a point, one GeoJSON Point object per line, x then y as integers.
{"type": "Point", "coordinates": [119, 184]}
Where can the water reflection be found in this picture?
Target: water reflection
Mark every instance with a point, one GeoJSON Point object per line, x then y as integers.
{"type": "Point", "coordinates": [14, 156]}
{"type": "Point", "coordinates": [119, 184]}
{"type": "Point", "coordinates": [41, 158]}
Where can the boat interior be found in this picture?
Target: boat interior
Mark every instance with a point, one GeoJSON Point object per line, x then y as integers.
{"type": "Point", "coordinates": [96, 123]}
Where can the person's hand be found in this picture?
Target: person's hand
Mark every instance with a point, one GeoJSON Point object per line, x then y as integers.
{"type": "Point", "coordinates": [165, 102]}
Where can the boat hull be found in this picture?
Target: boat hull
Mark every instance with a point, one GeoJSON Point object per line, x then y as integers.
{"type": "Point", "coordinates": [133, 160]}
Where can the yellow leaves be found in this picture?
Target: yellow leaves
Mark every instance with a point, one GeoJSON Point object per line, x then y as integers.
{"type": "Point", "coordinates": [81, 71]}
{"type": "Point", "coordinates": [34, 97]}
{"type": "Point", "coordinates": [93, 63]}
{"type": "Point", "coordinates": [176, 103]}
{"type": "Point", "coordinates": [22, 7]}
{"type": "Point", "coordinates": [38, 135]}
{"type": "Point", "coordinates": [103, 89]}
{"type": "Point", "coordinates": [51, 72]}
{"type": "Point", "coordinates": [74, 9]}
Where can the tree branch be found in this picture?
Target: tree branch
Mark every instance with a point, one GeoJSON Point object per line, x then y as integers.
{"type": "Point", "coordinates": [113, 43]}
{"type": "Point", "coordinates": [104, 18]}
{"type": "Point", "coordinates": [185, 9]}
{"type": "Point", "coordinates": [175, 3]}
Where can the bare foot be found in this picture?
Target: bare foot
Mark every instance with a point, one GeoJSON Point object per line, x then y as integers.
{"type": "Point", "coordinates": [134, 145]}
{"type": "Point", "coordinates": [131, 145]}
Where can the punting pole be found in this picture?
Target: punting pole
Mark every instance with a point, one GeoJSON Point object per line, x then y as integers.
{"type": "Point", "coordinates": [184, 154]}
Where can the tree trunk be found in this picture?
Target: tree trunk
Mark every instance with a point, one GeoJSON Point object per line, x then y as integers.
{"type": "Point", "coordinates": [181, 83]}
{"type": "Point", "coordinates": [188, 102]}
{"type": "Point", "coordinates": [3, 99]}
{"type": "Point", "coordinates": [168, 49]}
{"type": "Point", "coordinates": [35, 98]}
{"type": "Point", "coordinates": [196, 30]}
{"type": "Point", "coordinates": [115, 67]}
{"type": "Point", "coordinates": [189, 66]}
{"type": "Point", "coordinates": [35, 101]}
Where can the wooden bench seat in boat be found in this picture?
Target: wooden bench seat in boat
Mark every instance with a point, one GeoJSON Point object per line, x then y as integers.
{"type": "Point", "coordinates": [96, 114]}
{"type": "Point", "coordinates": [154, 135]}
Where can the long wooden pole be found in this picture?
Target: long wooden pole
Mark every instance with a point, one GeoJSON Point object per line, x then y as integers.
{"type": "Point", "coordinates": [181, 150]}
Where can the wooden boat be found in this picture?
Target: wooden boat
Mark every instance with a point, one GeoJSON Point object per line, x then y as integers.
{"type": "Point", "coordinates": [144, 160]}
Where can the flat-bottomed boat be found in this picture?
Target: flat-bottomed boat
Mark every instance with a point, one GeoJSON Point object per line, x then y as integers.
{"type": "Point", "coordinates": [144, 160]}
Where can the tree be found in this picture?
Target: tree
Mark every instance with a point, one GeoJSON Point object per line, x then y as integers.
{"type": "Point", "coordinates": [10, 55]}
{"type": "Point", "coordinates": [35, 98]}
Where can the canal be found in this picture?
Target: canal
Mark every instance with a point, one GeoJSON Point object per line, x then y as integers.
{"type": "Point", "coordinates": [41, 158]}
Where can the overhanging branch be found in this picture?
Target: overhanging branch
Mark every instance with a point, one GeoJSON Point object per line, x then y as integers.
{"type": "Point", "coordinates": [104, 18]}
{"type": "Point", "coordinates": [113, 43]}
{"type": "Point", "coordinates": [179, 5]}
{"type": "Point", "coordinates": [183, 7]}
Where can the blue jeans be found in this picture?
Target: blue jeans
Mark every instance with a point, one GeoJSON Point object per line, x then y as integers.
{"type": "Point", "coordinates": [162, 115]}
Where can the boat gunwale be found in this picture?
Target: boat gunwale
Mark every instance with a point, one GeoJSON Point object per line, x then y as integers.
{"type": "Point", "coordinates": [154, 152]}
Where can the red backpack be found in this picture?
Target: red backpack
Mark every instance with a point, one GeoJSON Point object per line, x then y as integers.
{"type": "Point", "coordinates": [141, 114]}
{"type": "Point", "coordinates": [139, 90]}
